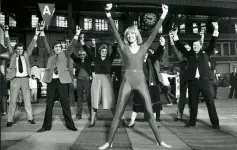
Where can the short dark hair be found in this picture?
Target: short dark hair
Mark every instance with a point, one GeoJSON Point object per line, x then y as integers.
{"type": "Point", "coordinates": [18, 45]}
{"type": "Point", "coordinates": [57, 42]}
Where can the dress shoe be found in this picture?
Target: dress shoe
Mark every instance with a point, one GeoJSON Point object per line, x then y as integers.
{"type": "Point", "coordinates": [31, 121]}
{"type": "Point", "coordinates": [9, 124]}
{"type": "Point", "coordinates": [177, 119]}
{"type": "Point", "coordinates": [189, 124]}
{"type": "Point", "coordinates": [73, 129]}
{"type": "Point", "coordinates": [216, 127]}
{"type": "Point", "coordinates": [42, 130]}
{"type": "Point", "coordinates": [158, 120]}
{"type": "Point", "coordinates": [131, 125]}
{"type": "Point", "coordinates": [77, 118]}
{"type": "Point", "coordinates": [91, 125]}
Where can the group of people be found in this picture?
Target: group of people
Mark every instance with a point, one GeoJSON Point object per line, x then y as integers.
{"type": "Point", "coordinates": [142, 77]}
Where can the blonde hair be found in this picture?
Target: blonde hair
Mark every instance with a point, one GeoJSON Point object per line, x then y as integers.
{"type": "Point", "coordinates": [133, 29]}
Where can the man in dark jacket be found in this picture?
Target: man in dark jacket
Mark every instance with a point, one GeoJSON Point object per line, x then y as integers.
{"type": "Point", "coordinates": [233, 83]}
{"type": "Point", "coordinates": [198, 76]}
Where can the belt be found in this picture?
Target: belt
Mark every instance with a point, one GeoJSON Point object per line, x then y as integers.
{"type": "Point", "coordinates": [23, 77]}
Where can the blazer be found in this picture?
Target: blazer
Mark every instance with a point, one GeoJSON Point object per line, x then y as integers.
{"type": "Point", "coordinates": [199, 60]}
{"type": "Point", "coordinates": [11, 71]}
{"type": "Point", "coordinates": [61, 62]}
{"type": "Point", "coordinates": [233, 79]}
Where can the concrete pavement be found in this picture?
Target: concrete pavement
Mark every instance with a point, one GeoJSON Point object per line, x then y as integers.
{"type": "Point", "coordinates": [23, 136]}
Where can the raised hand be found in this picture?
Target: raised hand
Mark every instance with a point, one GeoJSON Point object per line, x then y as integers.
{"type": "Point", "coordinates": [171, 35]}
{"type": "Point", "coordinates": [82, 39]}
{"type": "Point", "coordinates": [215, 25]}
{"type": "Point", "coordinates": [41, 25]}
{"type": "Point", "coordinates": [108, 7]}
{"type": "Point", "coordinates": [162, 41]}
{"type": "Point", "coordinates": [78, 30]}
{"type": "Point", "coordinates": [164, 8]}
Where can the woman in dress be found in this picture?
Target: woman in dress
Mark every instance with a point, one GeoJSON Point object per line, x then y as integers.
{"type": "Point", "coordinates": [101, 88]}
{"type": "Point", "coordinates": [133, 52]}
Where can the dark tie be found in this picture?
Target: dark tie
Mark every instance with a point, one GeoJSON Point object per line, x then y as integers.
{"type": "Point", "coordinates": [20, 68]}
{"type": "Point", "coordinates": [56, 69]}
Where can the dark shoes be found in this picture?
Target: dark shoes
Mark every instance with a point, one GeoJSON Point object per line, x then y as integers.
{"type": "Point", "coordinates": [131, 126]}
{"type": "Point", "coordinates": [42, 130]}
{"type": "Point", "coordinates": [31, 121]}
{"type": "Point", "coordinates": [216, 127]}
{"type": "Point", "coordinates": [91, 125]}
{"type": "Point", "coordinates": [73, 129]}
{"type": "Point", "coordinates": [189, 124]}
{"type": "Point", "coordinates": [77, 118]}
{"type": "Point", "coordinates": [9, 124]}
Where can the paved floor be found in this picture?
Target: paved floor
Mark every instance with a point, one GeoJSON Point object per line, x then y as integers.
{"type": "Point", "coordinates": [23, 136]}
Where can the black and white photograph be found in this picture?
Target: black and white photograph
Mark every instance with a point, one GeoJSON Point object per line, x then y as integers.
{"type": "Point", "coordinates": [118, 74]}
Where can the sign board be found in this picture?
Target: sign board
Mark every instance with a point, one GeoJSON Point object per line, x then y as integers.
{"type": "Point", "coordinates": [47, 11]}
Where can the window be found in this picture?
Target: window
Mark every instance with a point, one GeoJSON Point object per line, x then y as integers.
{"type": "Point", "coordinates": [87, 23]}
{"type": "Point", "coordinates": [234, 53]}
{"type": "Point", "coordinates": [101, 25]}
{"type": "Point", "coordinates": [13, 42]}
{"type": "Point", "coordinates": [2, 19]}
{"type": "Point", "coordinates": [203, 26]}
{"type": "Point", "coordinates": [34, 21]}
{"type": "Point", "coordinates": [195, 28]}
{"type": "Point", "coordinates": [12, 22]}
{"type": "Point", "coordinates": [61, 21]}
{"type": "Point", "coordinates": [236, 28]}
{"type": "Point", "coordinates": [226, 49]}
{"type": "Point", "coordinates": [135, 23]}
{"type": "Point", "coordinates": [218, 48]}
{"type": "Point", "coordinates": [116, 24]}
{"type": "Point", "coordinates": [182, 28]}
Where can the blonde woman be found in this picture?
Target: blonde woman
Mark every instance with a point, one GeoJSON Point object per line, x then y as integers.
{"type": "Point", "coordinates": [133, 52]}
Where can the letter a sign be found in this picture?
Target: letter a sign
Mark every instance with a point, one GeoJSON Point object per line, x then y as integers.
{"type": "Point", "coordinates": [47, 11]}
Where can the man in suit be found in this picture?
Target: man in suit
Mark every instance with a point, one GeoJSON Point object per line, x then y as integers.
{"type": "Point", "coordinates": [58, 78]}
{"type": "Point", "coordinates": [83, 73]}
{"type": "Point", "coordinates": [233, 83]}
{"type": "Point", "coordinates": [19, 73]}
{"type": "Point", "coordinates": [199, 77]}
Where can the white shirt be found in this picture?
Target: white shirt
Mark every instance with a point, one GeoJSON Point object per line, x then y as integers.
{"type": "Point", "coordinates": [24, 73]}
{"type": "Point", "coordinates": [32, 83]}
{"type": "Point", "coordinates": [197, 73]}
{"type": "Point", "coordinates": [165, 77]}
{"type": "Point", "coordinates": [55, 76]}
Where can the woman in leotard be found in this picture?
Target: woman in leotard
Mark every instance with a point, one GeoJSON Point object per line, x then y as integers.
{"type": "Point", "coordinates": [133, 52]}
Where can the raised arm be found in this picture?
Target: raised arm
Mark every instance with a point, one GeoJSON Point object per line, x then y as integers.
{"type": "Point", "coordinates": [33, 42]}
{"type": "Point", "coordinates": [179, 45]}
{"type": "Point", "coordinates": [114, 29]}
{"type": "Point", "coordinates": [210, 48]}
{"type": "Point", "coordinates": [157, 26]}
{"type": "Point", "coordinates": [75, 58]}
{"type": "Point", "coordinates": [43, 39]}
{"type": "Point", "coordinates": [114, 52]}
{"type": "Point", "coordinates": [160, 50]}
{"type": "Point", "coordinates": [73, 43]}
{"type": "Point", "coordinates": [174, 49]}
{"type": "Point", "coordinates": [8, 41]}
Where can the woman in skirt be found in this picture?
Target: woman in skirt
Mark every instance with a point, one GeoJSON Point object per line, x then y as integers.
{"type": "Point", "coordinates": [153, 85]}
{"type": "Point", "coordinates": [102, 87]}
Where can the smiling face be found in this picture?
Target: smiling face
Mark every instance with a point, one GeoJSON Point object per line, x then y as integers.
{"type": "Point", "coordinates": [103, 52]}
{"type": "Point", "coordinates": [82, 54]}
{"type": "Point", "coordinates": [19, 50]}
{"type": "Point", "coordinates": [197, 46]}
{"type": "Point", "coordinates": [57, 48]}
{"type": "Point", "coordinates": [131, 36]}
